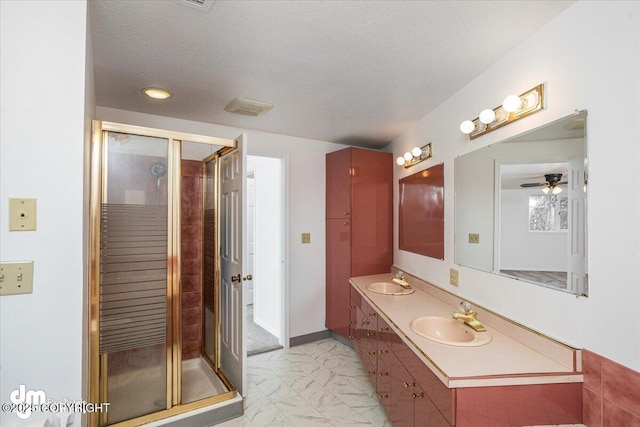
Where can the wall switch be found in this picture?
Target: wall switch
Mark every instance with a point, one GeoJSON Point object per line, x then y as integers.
{"type": "Point", "coordinates": [306, 238]}
{"type": "Point", "coordinates": [453, 277]}
{"type": "Point", "coordinates": [16, 277]}
{"type": "Point", "coordinates": [22, 214]}
{"type": "Point", "coordinates": [474, 238]}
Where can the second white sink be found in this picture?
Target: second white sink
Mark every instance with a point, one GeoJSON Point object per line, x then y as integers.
{"type": "Point", "coordinates": [389, 288]}
{"type": "Point", "coordinates": [448, 331]}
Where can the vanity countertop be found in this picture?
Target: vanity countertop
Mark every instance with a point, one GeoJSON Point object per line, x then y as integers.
{"type": "Point", "coordinates": [504, 361]}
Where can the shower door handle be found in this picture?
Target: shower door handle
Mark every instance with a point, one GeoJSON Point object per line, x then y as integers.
{"type": "Point", "coordinates": [237, 278]}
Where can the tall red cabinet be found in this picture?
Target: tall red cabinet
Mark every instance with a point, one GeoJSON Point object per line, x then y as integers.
{"type": "Point", "coordinates": [359, 225]}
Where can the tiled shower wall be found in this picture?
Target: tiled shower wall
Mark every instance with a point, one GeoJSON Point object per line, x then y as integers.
{"type": "Point", "coordinates": [191, 242]}
{"type": "Point", "coordinates": [611, 393]}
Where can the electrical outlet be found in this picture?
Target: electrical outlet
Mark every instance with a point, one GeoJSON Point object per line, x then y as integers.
{"type": "Point", "coordinates": [474, 238]}
{"type": "Point", "coordinates": [453, 277]}
{"type": "Point", "coordinates": [16, 278]}
{"type": "Point", "coordinates": [306, 238]}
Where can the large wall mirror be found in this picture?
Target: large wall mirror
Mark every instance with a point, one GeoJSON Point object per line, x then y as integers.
{"type": "Point", "coordinates": [520, 206]}
{"type": "Point", "coordinates": [421, 212]}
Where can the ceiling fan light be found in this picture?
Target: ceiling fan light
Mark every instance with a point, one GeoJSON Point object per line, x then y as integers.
{"type": "Point", "coordinates": [545, 190]}
{"type": "Point", "coordinates": [556, 190]}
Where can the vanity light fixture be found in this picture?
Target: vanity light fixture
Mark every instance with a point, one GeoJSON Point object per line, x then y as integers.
{"type": "Point", "coordinates": [415, 156]}
{"type": "Point", "coordinates": [514, 107]}
{"type": "Point", "coordinates": [156, 93]}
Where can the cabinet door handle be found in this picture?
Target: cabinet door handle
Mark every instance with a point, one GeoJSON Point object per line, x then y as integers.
{"type": "Point", "coordinates": [383, 329]}
{"type": "Point", "coordinates": [417, 395]}
{"type": "Point", "coordinates": [371, 353]}
{"type": "Point", "coordinates": [352, 306]}
{"type": "Point", "coordinates": [373, 314]}
{"type": "Point", "coordinates": [346, 213]}
{"type": "Point", "coordinates": [383, 396]}
{"type": "Point", "coordinates": [346, 223]}
{"type": "Point", "coordinates": [407, 385]}
{"type": "Point", "coordinates": [384, 351]}
{"type": "Point", "coordinates": [384, 374]}
{"type": "Point", "coordinates": [370, 334]}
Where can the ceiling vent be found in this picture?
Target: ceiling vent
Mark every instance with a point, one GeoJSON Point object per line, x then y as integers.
{"type": "Point", "coordinates": [248, 107]}
{"type": "Point", "coordinates": [203, 5]}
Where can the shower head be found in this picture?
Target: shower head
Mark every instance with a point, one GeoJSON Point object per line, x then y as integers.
{"type": "Point", "coordinates": [158, 169]}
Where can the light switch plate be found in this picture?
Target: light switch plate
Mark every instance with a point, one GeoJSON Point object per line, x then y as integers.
{"type": "Point", "coordinates": [22, 214]}
{"type": "Point", "coordinates": [306, 238]}
{"type": "Point", "coordinates": [16, 277]}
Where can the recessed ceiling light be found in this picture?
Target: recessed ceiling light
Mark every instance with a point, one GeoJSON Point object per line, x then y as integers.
{"type": "Point", "coordinates": [156, 93]}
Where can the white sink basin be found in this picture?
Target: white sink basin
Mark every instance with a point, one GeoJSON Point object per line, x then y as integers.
{"type": "Point", "coordinates": [449, 331]}
{"type": "Point", "coordinates": [389, 288]}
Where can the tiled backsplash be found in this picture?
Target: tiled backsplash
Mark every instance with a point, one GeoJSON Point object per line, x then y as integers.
{"type": "Point", "coordinates": [611, 393]}
{"type": "Point", "coordinates": [191, 236]}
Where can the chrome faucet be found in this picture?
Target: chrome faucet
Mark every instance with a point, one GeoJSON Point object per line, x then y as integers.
{"type": "Point", "coordinates": [469, 317]}
{"type": "Point", "coordinates": [401, 280]}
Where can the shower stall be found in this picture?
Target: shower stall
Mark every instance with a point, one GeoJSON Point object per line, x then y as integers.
{"type": "Point", "coordinates": [156, 294]}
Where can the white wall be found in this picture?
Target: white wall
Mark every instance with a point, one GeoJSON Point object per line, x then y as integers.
{"type": "Point", "coordinates": [304, 201]}
{"type": "Point", "coordinates": [42, 136]}
{"type": "Point", "coordinates": [521, 249]}
{"type": "Point", "coordinates": [588, 59]}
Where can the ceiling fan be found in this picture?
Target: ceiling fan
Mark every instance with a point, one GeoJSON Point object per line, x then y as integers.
{"type": "Point", "coordinates": [552, 183]}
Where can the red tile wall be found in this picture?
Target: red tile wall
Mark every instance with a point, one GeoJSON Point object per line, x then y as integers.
{"type": "Point", "coordinates": [610, 394]}
{"type": "Point", "coordinates": [191, 242]}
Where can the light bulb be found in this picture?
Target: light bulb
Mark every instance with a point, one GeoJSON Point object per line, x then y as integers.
{"type": "Point", "coordinates": [156, 93]}
{"type": "Point", "coordinates": [416, 151]}
{"type": "Point", "coordinates": [512, 103]}
{"type": "Point", "coordinates": [487, 116]}
{"type": "Point", "coordinates": [467, 127]}
{"type": "Point", "coordinates": [400, 161]}
{"type": "Point", "coordinates": [545, 190]}
{"type": "Point", "coordinates": [556, 190]}
{"type": "Point", "coordinates": [408, 156]}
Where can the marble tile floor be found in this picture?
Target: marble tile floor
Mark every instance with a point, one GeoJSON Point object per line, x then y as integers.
{"type": "Point", "coordinates": [317, 384]}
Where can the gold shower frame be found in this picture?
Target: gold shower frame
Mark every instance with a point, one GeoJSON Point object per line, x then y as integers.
{"type": "Point", "coordinates": [97, 365]}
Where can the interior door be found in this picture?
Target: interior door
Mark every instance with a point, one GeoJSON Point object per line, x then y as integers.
{"type": "Point", "coordinates": [232, 254]}
{"type": "Point", "coordinates": [576, 258]}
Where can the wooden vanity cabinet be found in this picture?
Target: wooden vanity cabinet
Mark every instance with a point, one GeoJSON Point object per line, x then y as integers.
{"type": "Point", "coordinates": [359, 225]}
{"type": "Point", "coordinates": [407, 389]}
{"type": "Point", "coordinates": [411, 387]}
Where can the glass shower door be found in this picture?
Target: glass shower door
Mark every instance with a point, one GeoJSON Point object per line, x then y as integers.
{"type": "Point", "coordinates": [209, 257]}
{"type": "Point", "coordinates": [135, 277]}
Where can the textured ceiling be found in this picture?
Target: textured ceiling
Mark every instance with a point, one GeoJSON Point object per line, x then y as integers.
{"type": "Point", "coordinates": [353, 72]}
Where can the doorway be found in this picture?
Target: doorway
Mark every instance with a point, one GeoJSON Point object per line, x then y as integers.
{"type": "Point", "coordinates": [265, 241]}
{"type": "Point", "coordinates": [158, 304]}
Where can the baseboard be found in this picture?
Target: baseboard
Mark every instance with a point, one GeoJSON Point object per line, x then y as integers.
{"type": "Point", "coordinates": [305, 339]}
{"type": "Point", "coordinates": [317, 336]}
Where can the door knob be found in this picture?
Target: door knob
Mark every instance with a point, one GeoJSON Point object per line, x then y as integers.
{"type": "Point", "coordinates": [236, 278]}
{"type": "Point", "coordinates": [248, 277]}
